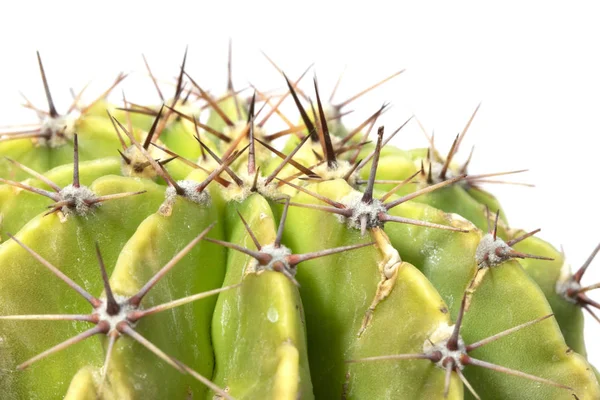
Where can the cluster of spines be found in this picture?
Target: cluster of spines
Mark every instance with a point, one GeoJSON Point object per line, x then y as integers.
{"type": "Point", "coordinates": [318, 131]}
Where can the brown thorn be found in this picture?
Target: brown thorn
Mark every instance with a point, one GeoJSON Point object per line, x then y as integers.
{"type": "Point", "coordinates": [589, 310]}
{"type": "Point", "coordinates": [251, 153]}
{"type": "Point", "coordinates": [328, 146]}
{"type": "Point", "coordinates": [449, 157]}
{"type": "Point", "coordinates": [429, 175]}
{"type": "Point", "coordinates": [121, 140]}
{"type": "Point", "coordinates": [370, 120]}
{"type": "Point", "coordinates": [474, 182]}
{"type": "Point", "coordinates": [293, 163]}
{"type": "Point", "coordinates": [118, 80]}
{"type": "Point", "coordinates": [336, 86]}
{"type": "Point", "coordinates": [61, 346]}
{"type": "Point", "coordinates": [32, 189]}
{"type": "Point", "coordinates": [467, 384]}
{"type": "Point", "coordinates": [112, 307]}
{"type": "Point", "coordinates": [277, 170]}
{"type": "Point", "coordinates": [516, 240]}
{"type": "Point", "coordinates": [317, 155]}
{"type": "Point", "coordinates": [274, 109]}
{"type": "Point", "coordinates": [230, 81]}
{"type": "Point", "coordinates": [518, 254]}
{"type": "Point", "coordinates": [108, 197]}
{"type": "Point", "coordinates": [75, 162]}
{"type": "Point", "coordinates": [139, 110]}
{"type": "Point", "coordinates": [449, 369]}
{"type": "Point", "coordinates": [162, 98]}
{"type": "Point", "coordinates": [49, 317]}
{"type": "Point", "coordinates": [352, 170]}
{"type": "Point", "coordinates": [152, 132]}
{"type": "Point", "coordinates": [317, 125]}
{"type": "Point", "coordinates": [579, 274]}
{"type": "Point", "coordinates": [588, 288]}
{"type": "Point", "coordinates": [296, 259]}
{"type": "Point", "coordinates": [418, 356]}
{"type": "Point", "coordinates": [281, 72]}
{"type": "Point", "coordinates": [385, 142]}
{"type": "Point", "coordinates": [127, 330]}
{"type": "Point", "coordinates": [466, 128]}
{"type": "Point", "coordinates": [137, 298]}
{"type": "Point", "coordinates": [220, 169]}
{"type": "Point", "coordinates": [357, 146]}
{"type": "Point", "coordinates": [35, 174]}
{"type": "Point", "coordinates": [365, 91]}
{"type": "Point", "coordinates": [367, 197]}
{"type": "Point", "coordinates": [307, 122]}
{"type": "Point", "coordinates": [51, 108]}
{"type": "Point", "coordinates": [399, 186]}
{"type": "Point", "coordinates": [423, 191]}
{"type": "Point", "coordinates": [207, 128]}
{"type": "Point", "coordinates": [285, 132]}
{"type": "Point", "coordinates": [255, 181]}
{"type": "Point", "coordinates": [452, 342]}
{"type": "Point", "coordinates": [262, 258]}
{"type": "Point", "coordinates": [299, 174]}
{"type": "Point", "coordinates": [391, 218]}
{"type": "Point", "coordinates": [129, 135]}
{"type": "Point", "coordinates": [463, 169]}
{"type": "Point", "coordinates": [169, 179]}
{"type": "Point", "coordinates": [56, 207]}
{"type": "Point", "coordinates": [180, 84]}
{"type": "Point", "coordinates": [344, 211]}
{"type": "Point", "coordinates": [77, 98]}
{"type": "Point", "coordinates": [112, 338]}
{"type": "Point", "coordinates": [281, 99]}
{"type": "Point", "coordinates": [220, 392]}
{"type": "Point", "coordinates": [495, 232]}
{"type": "Point", "coordinates": [252, 236]}
{"type": "Point", "coordinates": [228, 170]}
{"type": "Point", "coordinates": [197, 132]}
{"type": "Point", "coordinates": [279, 235]}
{"type": "Point", "coordinates": [481, 176]}
{"type": "Point", "coordinates": [168, 160]}
{"type": "Point", "coordinates": [236, 141]}
{"type": "Point", "coordinates": [314, 194]}
{"type": "Point", "coordinates": [212, 102]}
{"type": "Point", "coordinates": [506, 332]}
{"type": "Point", "coordinates": [229, 74]}
{"type": "Point", "coordinates": [124, 157]}
{"type": "Point", "coordinates": [136, 315]}
{"type": "Point", "coordinates": [218, 179]}
{"type": "Point", "coordinates": [508, 371]}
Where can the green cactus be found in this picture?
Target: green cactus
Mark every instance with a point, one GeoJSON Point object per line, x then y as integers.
{"type": "Point", "coordinates": [219, 264]}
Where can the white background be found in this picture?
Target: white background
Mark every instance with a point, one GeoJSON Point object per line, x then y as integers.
{"type": "Point", "coordinates": [533, 65]}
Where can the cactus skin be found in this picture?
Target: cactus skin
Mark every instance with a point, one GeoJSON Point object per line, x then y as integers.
{"type": "Point", "coordinates": [366, 293]}
{"type": "Point", "coordinates": [260, 349]}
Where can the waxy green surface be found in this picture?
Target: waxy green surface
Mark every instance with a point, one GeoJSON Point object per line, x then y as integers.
{"type": "Point", "coordinates": [183, 332]}
{"type": "Point", "coordinates": [27, 287]}
{"type": "Point", "coordinates": [19, 206]}
{"type": "Point", "coordinates": [258, 329]}
{"type": "Point", "coordinates": [337, 291]}
{"type": "Point", "coordinates": [546, 274]}
{"type": "Point", "coordinates": [506, 298]}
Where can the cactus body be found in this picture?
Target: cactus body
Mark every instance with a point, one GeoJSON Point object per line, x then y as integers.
{"type": "Point", "coordinates": [151, 253]}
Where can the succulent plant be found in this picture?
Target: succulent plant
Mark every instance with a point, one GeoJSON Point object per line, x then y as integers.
{"type": "Point", "coordinates": [199, 259]}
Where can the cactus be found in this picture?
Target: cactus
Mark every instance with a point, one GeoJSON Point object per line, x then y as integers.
{"type": "Point", "coordinates": [221, 265]}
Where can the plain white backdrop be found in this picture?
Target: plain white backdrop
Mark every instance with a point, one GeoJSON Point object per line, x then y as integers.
{"type": "Point", "coordinates": [534, 66]}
